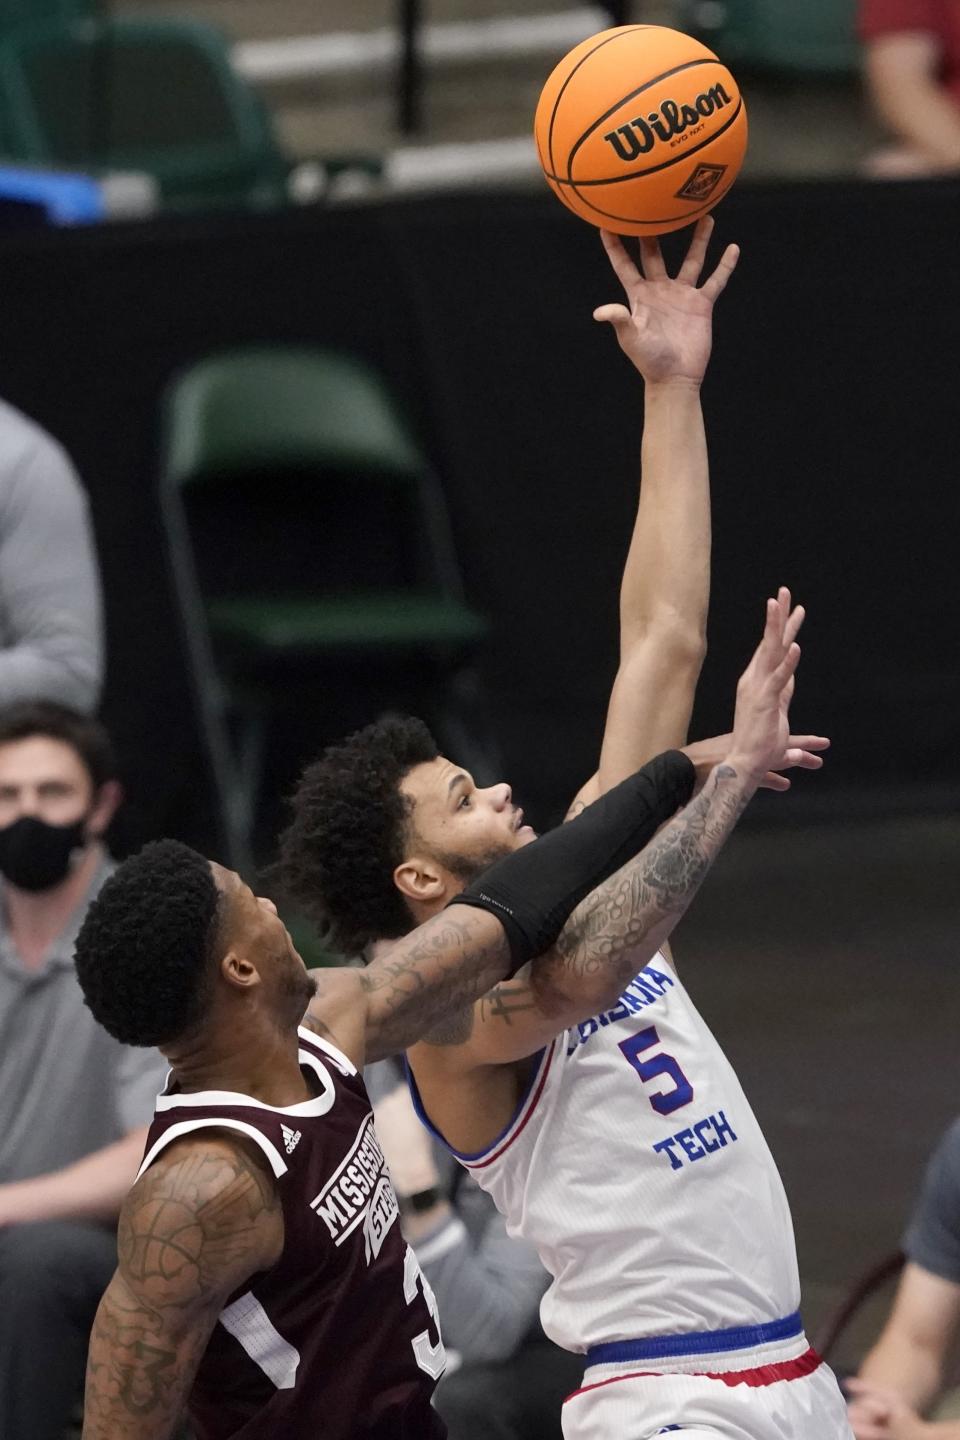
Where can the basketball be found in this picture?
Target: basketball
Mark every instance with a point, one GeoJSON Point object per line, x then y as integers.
{"type": "Point", "coordinates": [641, 130]}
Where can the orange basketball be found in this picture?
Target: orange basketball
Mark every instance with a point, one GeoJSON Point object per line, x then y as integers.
{"type": "Point", "coordinates": [641, 130]}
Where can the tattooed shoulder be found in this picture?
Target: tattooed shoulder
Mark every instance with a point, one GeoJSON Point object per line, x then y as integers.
{"type": "Point", "coordinates": [203, 1218]}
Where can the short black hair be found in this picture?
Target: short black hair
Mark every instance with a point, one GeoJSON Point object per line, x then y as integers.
{"type": "Point", "coordinates": [57, 722]}
{"type": "Point", "coordinates": [145, 950]}
{"type": "Point", "coordinates": [350, 825]}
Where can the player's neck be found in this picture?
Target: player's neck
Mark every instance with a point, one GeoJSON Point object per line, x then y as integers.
{"type": "Point", "coordinates": [424, 910]}
{"type": "Point", "coordinates": [245, 1059]}
{"type": "Point", "coordinates": [35, 919]}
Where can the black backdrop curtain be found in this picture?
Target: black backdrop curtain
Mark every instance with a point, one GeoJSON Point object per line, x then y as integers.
{"type": "Point", "coordinates": [831, 413]}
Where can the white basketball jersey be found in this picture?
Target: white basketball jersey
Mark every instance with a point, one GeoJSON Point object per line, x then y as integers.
{"type": "Point", "coordinates": [636, 1167]}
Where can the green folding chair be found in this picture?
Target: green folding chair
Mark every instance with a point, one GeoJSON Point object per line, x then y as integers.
{"type": "Point", "coordinates": [815, 37]}
{"type": "Point", "coordinates": [158, 96]}
{"type": "Point", "coordinates": [307, 531]}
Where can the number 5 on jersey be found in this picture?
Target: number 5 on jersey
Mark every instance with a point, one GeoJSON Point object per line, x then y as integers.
{"type": "Point", "coordinates": [663, 1101]}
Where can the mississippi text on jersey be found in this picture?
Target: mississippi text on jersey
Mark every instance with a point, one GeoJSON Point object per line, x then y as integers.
{"type": "Point", "coordinates": [339, 1338]}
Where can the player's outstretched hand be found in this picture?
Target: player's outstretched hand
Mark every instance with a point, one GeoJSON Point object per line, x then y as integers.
{"type": "Point", "coordinates": [761, 727]}
{"type": "Point", "coordinates": [803, 752]}
{"type": "Point", "coordinates": [666, 325]}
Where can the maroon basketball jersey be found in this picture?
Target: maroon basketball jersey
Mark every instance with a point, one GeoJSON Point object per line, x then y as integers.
{"type": "Point", "coordinates": [339, 1339]}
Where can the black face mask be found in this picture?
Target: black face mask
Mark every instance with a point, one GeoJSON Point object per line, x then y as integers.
{"type": "Point", "coordinates": [35, 856]}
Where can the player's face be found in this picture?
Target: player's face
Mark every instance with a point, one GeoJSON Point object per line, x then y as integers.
{"type": "Point", "coordinates": [254, 921]}
{"type": "Point", "coordinates": [457, 821]}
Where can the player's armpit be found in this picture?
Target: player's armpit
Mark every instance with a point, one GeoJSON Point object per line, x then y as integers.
{"type": "Point", "coordinates": [201, 1221]}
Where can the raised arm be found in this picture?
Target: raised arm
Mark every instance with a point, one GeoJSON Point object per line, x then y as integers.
{"type": "Point", "coordinates": [201, 1221]}
{"type": "Point", "coordinates": [665, 329]}
{"type": "Point", "coordinates": [622, 924]}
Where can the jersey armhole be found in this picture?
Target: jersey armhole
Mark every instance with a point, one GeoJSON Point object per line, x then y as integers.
{"type": "Point", "coordinates": [524, 1109]}
{"type": "Point", "coordinates": [185, 1127]}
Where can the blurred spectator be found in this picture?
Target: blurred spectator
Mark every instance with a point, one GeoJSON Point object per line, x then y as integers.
{"type": "Point", "coordinates": [74, 1104]}
{"type": "Point", "coordinates": [913, 76]}
{"type": "Point", "coordinates": [51, 641]}
{"type": "Point", "coordinates": [904, 1372]}
{"type": "Point", "coordinates": [504, 1380]}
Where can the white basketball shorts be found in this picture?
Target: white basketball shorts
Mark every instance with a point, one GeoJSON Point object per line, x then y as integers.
{"type": "Point", "coordinates": [743, 1396]}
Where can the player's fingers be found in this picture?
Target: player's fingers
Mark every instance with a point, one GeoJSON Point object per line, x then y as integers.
{"type": "Point", "coordinates": [786, 668]}
{"type": "Point", "coordinates": [796, 758]}
{"type": "Point", "coordinates": [624, 268]}
{"type": "Point", "coordinates": [771, 645]}
{"type": "Point", "coordinates": [785, 601]}
{"type": "Point", "coordinates": [714, 286]}
{"type": "Point", "coordinates": [615, 315]}
{"type": "Point", "coordinates": [809, 742]}
{"type": "Point", "coordinates": [773, 781]}
{"type": "Point", "coordinates": [794, 623]}
{"type": "Point", "coordinates": [651, 258]}
{"type": "Point", "coordinates": [692, 267]}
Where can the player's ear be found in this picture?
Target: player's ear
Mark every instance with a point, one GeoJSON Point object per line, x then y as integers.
{"type": "Point", "coordinates": [419, 878]}
{"type": "Point", "coordinates": [238, 971]}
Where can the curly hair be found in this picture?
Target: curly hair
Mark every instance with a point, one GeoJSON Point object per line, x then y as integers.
{"type": "Point", "coordinates": [350, 823]}
{"type": "Point", "coordinates": [145, 950]}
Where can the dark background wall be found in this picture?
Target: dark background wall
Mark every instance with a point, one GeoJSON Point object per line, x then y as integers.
{"type": "Point", "coordinates": [831, 411]}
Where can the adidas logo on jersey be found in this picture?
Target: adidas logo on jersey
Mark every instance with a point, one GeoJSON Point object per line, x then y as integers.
{"type": "Point", "coordinates": [291, 1138]}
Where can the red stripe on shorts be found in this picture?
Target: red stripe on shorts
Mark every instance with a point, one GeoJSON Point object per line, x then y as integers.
{"type": "Point", "coordinates": [804, 1364]}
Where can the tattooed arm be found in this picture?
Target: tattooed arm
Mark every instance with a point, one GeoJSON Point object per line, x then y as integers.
{"type": "Point", "coordinates": [608, 938]}
{"type": "Point", "coordinates": [443, 965]}
{"type": "Point", "coordinates": [621, 924]}
{"type": "Point", "coordinates": [201, 1221]}
{"type": "Point", "coordinates": [468, 1071]}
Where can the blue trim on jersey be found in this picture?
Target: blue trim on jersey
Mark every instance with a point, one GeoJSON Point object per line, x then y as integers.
{"type": "Point", "coordinates": [478, 1154]}
{"type": "Point", "coordinates": [697, 1342]}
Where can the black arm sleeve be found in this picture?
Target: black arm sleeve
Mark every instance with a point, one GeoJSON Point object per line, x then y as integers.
{"type": "Point", "coordinates": [533, 891]}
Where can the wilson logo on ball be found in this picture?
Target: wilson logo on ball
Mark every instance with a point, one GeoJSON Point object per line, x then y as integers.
{"type": "Point", "coordinates": [639, 136]}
